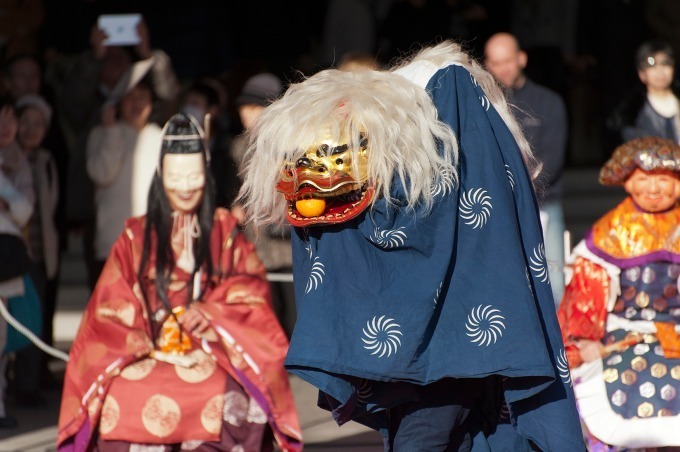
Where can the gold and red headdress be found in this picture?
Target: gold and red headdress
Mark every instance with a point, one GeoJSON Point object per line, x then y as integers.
{"type": "Point", "coordinates": [648, 154]}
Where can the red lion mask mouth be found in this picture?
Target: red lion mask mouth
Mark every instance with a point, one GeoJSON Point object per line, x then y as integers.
{"type": "Point", "coordinates": [328, 185]}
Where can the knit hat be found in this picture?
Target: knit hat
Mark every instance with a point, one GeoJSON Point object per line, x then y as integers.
{"type": "Point", "coordinates": [38, 102]}
{"type": "Point", "coordinates": [648, 154]}
{"type": "Point", "coordinates": [260, 89]}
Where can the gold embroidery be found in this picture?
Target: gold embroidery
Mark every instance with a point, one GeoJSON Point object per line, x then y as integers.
{"type": "Point", "coordinates": [110, 415]}
{"type": "Point", "coordinates": [628, 377]}
{"type": "Point", "coordinates": [161, 415]}
{"type": "Point", "coordinates": [211, 415]}
{"type": "Point", "coordinates": [658, 370]}
{"type": "Point", "coordinates": [611, 375]}
{"type": "Point", "coordinates": [638, 363]}
{"type": "Point", "coordinates": [645, 409]}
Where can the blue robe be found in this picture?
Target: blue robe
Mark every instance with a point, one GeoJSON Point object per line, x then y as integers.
{"type": "Point", "coordinates": [399, 298]}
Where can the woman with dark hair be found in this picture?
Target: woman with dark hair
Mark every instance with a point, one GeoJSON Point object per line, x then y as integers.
{"type": "Point", "coordinates": [653, 110]}
{"type": "Point", "coordinates": [179, 347]}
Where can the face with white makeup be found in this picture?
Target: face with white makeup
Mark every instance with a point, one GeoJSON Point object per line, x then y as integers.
{"type": "Point", "coordinates": [184, 181]}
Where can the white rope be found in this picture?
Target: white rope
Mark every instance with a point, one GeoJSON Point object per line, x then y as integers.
{"type": "Point", "coordinates": [30, 335]}
{"type": "Point", "coordinates": [280, 277]}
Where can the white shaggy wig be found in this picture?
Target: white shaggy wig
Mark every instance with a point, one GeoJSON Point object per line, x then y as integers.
{"type": "Point", "coordinates": [406, 140]}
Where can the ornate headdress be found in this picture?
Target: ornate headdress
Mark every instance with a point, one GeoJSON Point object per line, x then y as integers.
{"type": "Point", "coordinates": [648, 153]}
{"type": "Point", "coordinates": [182, 134]}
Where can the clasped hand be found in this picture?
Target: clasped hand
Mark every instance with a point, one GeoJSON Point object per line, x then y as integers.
{"type": "Point", "coordinates": [193, 320]}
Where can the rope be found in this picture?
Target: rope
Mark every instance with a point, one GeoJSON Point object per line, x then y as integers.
{"type": "Point", "coordinates": [30, 335]}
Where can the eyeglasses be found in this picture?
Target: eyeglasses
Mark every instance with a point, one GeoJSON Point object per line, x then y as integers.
{"type": "Point", "coordinates": [652, 62]}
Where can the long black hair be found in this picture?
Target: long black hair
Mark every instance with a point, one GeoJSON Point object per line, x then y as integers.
{"type": "Point", "coordinates": [181, 135]}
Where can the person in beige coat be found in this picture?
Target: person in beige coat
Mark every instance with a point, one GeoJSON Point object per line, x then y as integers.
{"type": "Point", "coordinates": [34, 115]}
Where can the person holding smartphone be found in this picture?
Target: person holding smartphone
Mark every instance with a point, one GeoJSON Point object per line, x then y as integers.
{"type": "Point", "coordinates": [101, 77]}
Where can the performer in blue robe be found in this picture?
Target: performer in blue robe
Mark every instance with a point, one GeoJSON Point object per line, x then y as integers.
{"type": "Point", "coordinates": [422, 291]}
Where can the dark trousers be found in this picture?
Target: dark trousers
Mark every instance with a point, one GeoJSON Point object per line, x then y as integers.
{"type": "Point", "coordinates": [439, 421]}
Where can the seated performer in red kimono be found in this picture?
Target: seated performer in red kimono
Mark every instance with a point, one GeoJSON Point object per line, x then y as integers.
{"type": "Point", "coordinates": [620, 315]}
{"type": "Point", "coordinates": [179, 348]}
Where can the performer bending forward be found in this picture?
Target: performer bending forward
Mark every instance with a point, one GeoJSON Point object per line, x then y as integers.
{"type": "Point", "coordinates": [423, 298]}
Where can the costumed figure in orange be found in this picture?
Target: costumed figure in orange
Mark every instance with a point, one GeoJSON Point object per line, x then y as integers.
{"type": "Point", "coordinates": [620, 315]}
{"type": "Point", "coordinates": [179, 347]}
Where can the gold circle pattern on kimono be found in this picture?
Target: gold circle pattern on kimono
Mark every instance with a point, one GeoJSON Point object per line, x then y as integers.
{"type": "Point", "coordinates": [110, 415]}
{"type": "Point", "coordinates": [94, 406]}
{"type": "Point", "coordinates": [203, 369]}
{"type": "Point", "coordinates": [161, 415]}
{"type": "Point", "coordinates": [137, 341]}
{"type": "Point", "coordinates": [139, 370]}
{"type": "Point", "coordinates": [235, 358]}
{"type": "Point", "coordinates": [235, 408]}
{"type": "Point", "coordinates": [91, 353]}
{"type": "Point", "coordinates": [118, 311]}
{"type": "Point", "coordinates": [211, 415]}
{"type": "Point", "coordinates": [242, 293]}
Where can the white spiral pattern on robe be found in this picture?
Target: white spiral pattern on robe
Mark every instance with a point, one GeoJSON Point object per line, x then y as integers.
{"type": "Point", "coordinates": [473, 80]}
{"type": "Point", "coordinates": [308, 247]}
{"type": "Point", "coordinates": [315, 276]}
{"type": "Point", "coordinates": [485, 325]}
{"type": "Point", "coordinates": [364, 391]}
{"type": "Point", "coordinates": [486, 104]}
{"type": "Point", "coordinates": [389, 239]}
{"type": "Point", "coordinates": [563, 367]}
{"type": "Point", "coordinates": [444, 184]}
{"type": "Point", "coordinates": [382, 336]}
{"type": "Point", "coordinates": [538, 265]}
{"type": "Point", "coordinates": [475, 207]}
{"type": "Point", "coordinates": [511, 177]}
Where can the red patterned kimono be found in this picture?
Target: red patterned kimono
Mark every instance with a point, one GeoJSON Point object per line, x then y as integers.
{"type": "Point", "coordinates": [115, 390]}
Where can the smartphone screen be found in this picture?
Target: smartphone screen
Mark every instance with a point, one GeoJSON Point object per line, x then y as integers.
{"type": "Point", "coordinates": [121, 29]}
